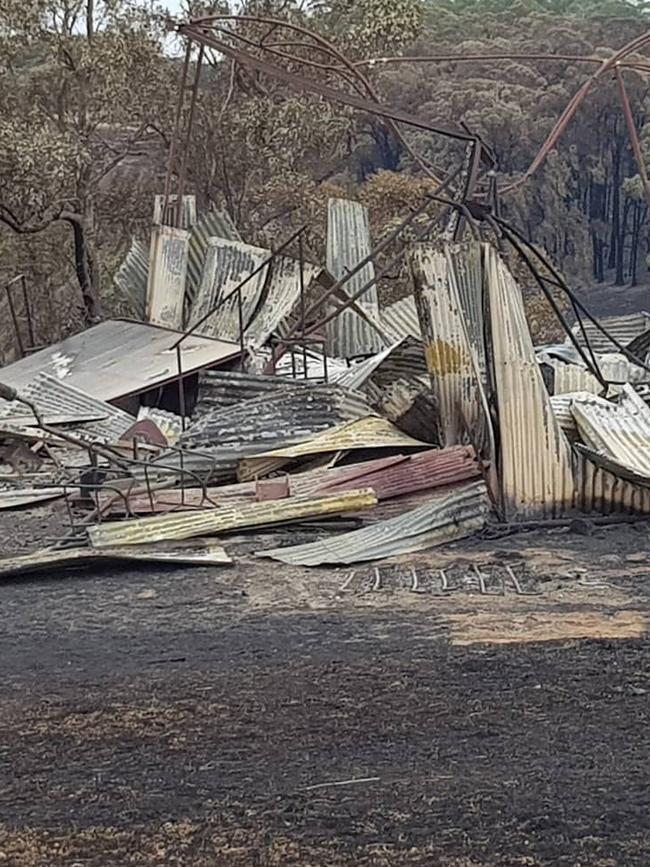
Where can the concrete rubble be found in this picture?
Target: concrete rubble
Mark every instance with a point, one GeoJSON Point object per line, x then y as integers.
{"type": "Point", "coordinates": [258, 390]}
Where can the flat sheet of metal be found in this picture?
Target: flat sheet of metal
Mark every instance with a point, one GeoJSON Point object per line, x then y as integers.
{"type": "Point", "coordinates": [185, 525]}
{"type": "Point", "coordinates": [132, 277]}
{"type": "Point", "coordinates": [535, 462]}
{"type": "Point", "coordinates": [168, 257]}
{"type": "Point", "coordinates": [118, 358]}
{"type": "Point", "coordinates": [49, 560]}
{"type": "Point", "coordinates": [348, 243]}
{"type": "Point", "coordinates": [618, 430]}
{"type": "Point", "coordinates": [442, 519]}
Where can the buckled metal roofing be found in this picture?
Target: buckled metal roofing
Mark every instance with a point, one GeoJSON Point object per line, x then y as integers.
{"type": "Point", "coordinates": [118, 358]}
{"type": "Point", "coordinates": [442, 519]}
{"type": "Point", "coordinates": [168, 256]}
{"type": "Point", "coordinates": [132, 276]}
{"type": "Point", "coordinates": [400, 319]}
{"type": "Point", "coordinates": [624, 328]}
{"type": "Point", "coordinates": [220, 389]}
{"type": "Point", "coordinates": [213, 224]}
{"type": "Point", "coordinates": [348, 243]}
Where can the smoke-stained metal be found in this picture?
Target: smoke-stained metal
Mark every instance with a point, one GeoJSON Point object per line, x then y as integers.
{"type": "Point", "coordinates": [400, 319]}
{"type": "Point", "coordinates": [168, 257]}
{"type": "Point", "coordinates": [132, 276]}
{"type": "Point", "coordinates": [442, 519]}
{"type": "Point", "coordinates": [166, 212]}
{"type": "Point", "coordinates": [623, 328]}
{"type": "Point", "coordinates": [348, 243]}
{"type": "Point", "coordinates": [213, 224]}
{"type": "Point", "coordinates": [534, 460]}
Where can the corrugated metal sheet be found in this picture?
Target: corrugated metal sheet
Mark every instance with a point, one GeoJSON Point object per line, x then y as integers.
{"type": "Point", "coordinates": [220, 389]}
{"type": "Point", "coordinates": [185, 220]}
{"type": "Point", "coordinates": [117, 358]}
{"type": "Point", "coordinates": [601, 491]}
{"type": "Point", "coordinates": [620, 430]}
{"type": "Point", "coordinates": [465, 269]}
{"type": "Point", "coordinates": [568, 378]}
{"type": "Point", "coordinates": [365, 433]}
{"type": "Point", "coordinates": [407, 473]}
{"type": "Point", "coordinates": [170, 424]}
{"type": "Point", "coordinates": [623, 328]}
{"type": "Point", "coordinates": [449, 354]}
{"type": "Point", "coordinates": [55, 398]}
{"type": "Point", "coordinates": [227, 264]}
{"type": "Point", "coordinates": [561, 404]}
{"type": "Point", "coordinates": [534, 462]}
{"type": "Point", "coordinates": [50, 558]}
{"type": "Point", "coordinates": [185, 525]}
{"type": "Point", "coordinates": [400, 319]}
{"type": "Point", "coordinates": [168, 256]}
{"type": "Point", "coordinates": [348, 242]}
{"type": "Point", "coordinates": [132, 277]}
{"type": "Point", "coordinates": [14, 498]}
{"type": "Point", "coordinates": [404, 358]}
{"type": "Point", "coordinates": [443, 519]}
{"type": "Point", "coordinates": [214, 224]}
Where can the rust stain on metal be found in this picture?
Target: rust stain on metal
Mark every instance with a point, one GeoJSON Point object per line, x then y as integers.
{"type": "Point", "coordinates": [443, 358]}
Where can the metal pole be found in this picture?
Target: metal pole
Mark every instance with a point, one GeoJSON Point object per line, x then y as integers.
{"type": "Point", "coordinates": [173, 149]}
{"type": "Point", "coordinates": [240, 317]}
{"type": "Point", "coordinates": [28, 312]}
{"type": "Point", "coordinates": [188, 132]}
{"type": "Point", "coordinates": [302, 307]}
{"type": "Point", "coordinates": [181, 386]}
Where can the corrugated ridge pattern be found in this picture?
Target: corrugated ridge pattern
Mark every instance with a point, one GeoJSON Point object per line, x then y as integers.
{"type": "Point", "coordinates": [400, 319]}
{"type": "Point", "coordinates": [132, 277]}
{"type": "Point", "coordinates": [603, 492]}
{"type": "Point", "coordinates": [448, 351]}
{"type": "Point", "coordinates": [621, 430]}
{"type": "Point", "coordinates": [213, 224]}
{"type": "Point", "coordinates": [348, 242]}
{"type": "Point", "coordinates": [535, 467]}
{"type": "Point", "coordinates": [185, 525]}
{"type": "Point", "coordinates": [623, 328]}
{"type": "Point", "coordinates": [568, 378]}
{"type": "Point", "coordinates": [406, 475]}
{"type": "Point", "coordinates": [466, 273]}
{"type": "Point", "coordinates": [227, 263]}
{"type": "Point", "coordinates": [167, 276]}
{"type": "Point", "coordinates": [54, 397]}
{"type": "Point", "coordinates": [220, 389]}
{"type": "Point", "coordinates": [443, 519]}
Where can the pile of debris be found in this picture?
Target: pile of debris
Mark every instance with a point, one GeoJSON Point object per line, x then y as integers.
{"type": "Point", "coordinates": [262, 391]}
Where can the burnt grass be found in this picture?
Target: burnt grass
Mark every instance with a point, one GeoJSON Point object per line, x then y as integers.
{"type": "Point", "coordinates": [160, 719]}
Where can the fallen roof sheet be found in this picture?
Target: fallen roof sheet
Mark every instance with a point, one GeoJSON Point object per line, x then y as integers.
{"type": "Point", "coordinates": [118, 358]}
{"type": "Point", "coordinates": [405, 358]}
{"type": "Point", "coordinates": [50, 559]}
{"type": "Point", "coordinates": [406, 473]}
{"type": "Point", "coordinates": [620, 431]}
{"type": "Point", "coordinates": [442, 519]}
{"type": "Point", "coordinates": [185, 525]}
{"type": "Point", "coordinates": [221, 389]}
{"type": "Point", "coordinates": [168, 256]}
{"type": "Point", "coordinates": [569, 378]}
{"type": "Point", "coordinates": [14, 498]}
{"type": "Point", "coordinates": [624, 328]}
{"type": "Point", "coordinates": [535, 468]}
{"type": "Point", "coordinates": [56, 399]}
{"type": "Point", "coordinates": [603, 487]}
{"type": "Point", "coordinates": [132, 276]}
{"type": "Point", "coordinates": [348, 243]}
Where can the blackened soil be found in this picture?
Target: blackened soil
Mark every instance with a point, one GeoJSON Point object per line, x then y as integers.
{"type": "Point", "coordinates": [161, 720]}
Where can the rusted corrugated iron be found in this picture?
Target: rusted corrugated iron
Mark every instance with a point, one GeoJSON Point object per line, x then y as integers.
{"type": "Point", "coordinates": [534, 465]}
{"type": "Point", "coordinates": [451, 358]}
{"type": "Point", "coordinates": [404, 358]}
{"type": "Point", "coordinates": [621, 430]}
{"type": "Point", "coordinates": [465, 268]}
{"type": "Point", "coordinates": [442, 519]}
{"type": "Point", "coordinates": [348, 243]}
{"type": "Point", "coordinates": [132, 276]}
{"type": "Point", "coordinates": [600, 489]}
{"type": "Point", "coordinates": [220, 389]}
{"type": "Point", "coordinates": [408, 473]}
{"type": "Point", "coordinates": [624, 328]}
{"type": "Point", "coordinates": [117, 358]}
{"type": "Point", "coordinates": [185, 525]}
{"type": "Point", "coordinates": [400, 319]}
{"type": "Point", "coordinates": [168, 256]}
{"type": "Point", "coordinates": [364, 433]}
